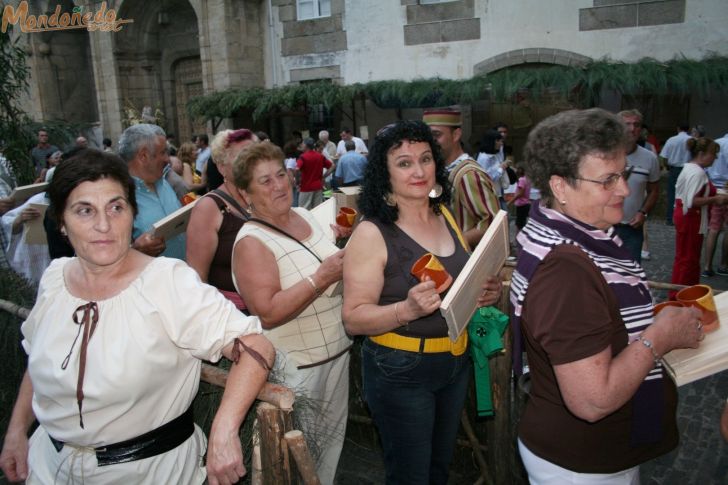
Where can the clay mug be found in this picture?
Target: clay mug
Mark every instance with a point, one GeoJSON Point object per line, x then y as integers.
{"type": "Point", "coordinates": [429, 265]}
{"type": "Point", "coordinates": [701, 297]}
{"type": "Point", "coordinates": [346, 217]}
{"type": "Point", "coordinates": [661, 306]}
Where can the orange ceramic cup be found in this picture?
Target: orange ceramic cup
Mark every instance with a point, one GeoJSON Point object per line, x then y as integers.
{"type": "Point", "coordinates": [661, 306]}
{"type": "Point", "coordinates": [701, 297]}
{"type": "Point", "coordinates": [346, 217]}
{"type": "Point", "coordinates": [429, 265]}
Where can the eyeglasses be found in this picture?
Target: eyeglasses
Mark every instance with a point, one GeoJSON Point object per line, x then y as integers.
{"type": "Point", "coordinates": [610, 182]}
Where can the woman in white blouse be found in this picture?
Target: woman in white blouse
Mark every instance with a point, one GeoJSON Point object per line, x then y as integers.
{"type": "Point", "coordinates": [114, 359]}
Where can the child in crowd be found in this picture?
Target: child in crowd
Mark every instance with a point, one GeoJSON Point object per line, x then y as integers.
{"type": "Point", "coordinates": [521, 198]}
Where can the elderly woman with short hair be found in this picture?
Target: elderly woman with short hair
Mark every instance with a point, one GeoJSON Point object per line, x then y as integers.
{"type": "Point", "coordinates": [115, 342]}
{"type": "Point", "coordinates": [217, 218]}
{"type": "Point", "coordinates": [282, 265]}
{"type": "Point", "coordinates": [600, 401]}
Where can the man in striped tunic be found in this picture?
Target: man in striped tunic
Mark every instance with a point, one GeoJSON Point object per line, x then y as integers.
{"type": "Point", "coordinates": [474, 201]}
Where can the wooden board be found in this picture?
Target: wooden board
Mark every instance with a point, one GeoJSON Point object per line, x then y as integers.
{"type": "Point", "coordinates": [34, 231]}
{"type": "Point", "coordinates": [325, 215]}
{"type": "Point", "coordinates": [173, 224]}
{"type": "Point", "coordinates": [688, 365]}
{"type": "Point", "coordinates": [25, 192]}
{"type": "Point", "coordinates": [487, 260]}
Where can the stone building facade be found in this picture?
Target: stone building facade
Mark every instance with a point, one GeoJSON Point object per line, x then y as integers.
{"type": "Point", "coordinates": [177, 49]}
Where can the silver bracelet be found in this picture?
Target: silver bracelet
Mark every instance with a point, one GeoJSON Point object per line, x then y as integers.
{"type": "Point", "coordinates": [396, 315]}
{"type": "Point", "coordinates": [316, 289]}
{"type": "Point", "coordinates": [648, 343]}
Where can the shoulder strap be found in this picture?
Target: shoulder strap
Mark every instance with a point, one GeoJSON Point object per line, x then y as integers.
{"type": "Point", "coordinates": [232, 202]}
{"type": "Point", "coordinates": [451, 220]}
{"type": "Point", "coordinates": [281, 231]}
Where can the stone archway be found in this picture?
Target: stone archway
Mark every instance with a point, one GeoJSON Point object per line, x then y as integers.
{"type": "Point", "coordinates": [521, 113]}
{"type": "Point", "coordinates": [164, 35]}
{"type": "Point", "coordinates": [536, 55]}
{"type": "Point", "coordinates": [187, 76]}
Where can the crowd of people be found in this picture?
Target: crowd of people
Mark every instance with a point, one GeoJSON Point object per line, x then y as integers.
{"type": "Point", "coordinates": [255, 278]}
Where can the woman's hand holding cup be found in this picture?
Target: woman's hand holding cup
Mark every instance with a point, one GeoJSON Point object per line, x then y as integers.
{"type": "Point", "coordinates": [679, 328]}
{"type": "Point", "coordinates": [422, 299]}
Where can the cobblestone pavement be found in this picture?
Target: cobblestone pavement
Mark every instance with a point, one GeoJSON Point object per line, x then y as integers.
{"type": "Point", "coordinates": [702, 456]}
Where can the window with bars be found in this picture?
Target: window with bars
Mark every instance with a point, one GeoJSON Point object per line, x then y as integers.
{"type": "Point", "coordinates": [312, 9]}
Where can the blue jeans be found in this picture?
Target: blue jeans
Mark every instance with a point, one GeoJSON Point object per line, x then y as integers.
{"type": "Point", "coordinates": [671, 181]}
{"type": "Point", "coordinates": [632, 239]}
{"type": "Point", "coordinates": [416, 400]}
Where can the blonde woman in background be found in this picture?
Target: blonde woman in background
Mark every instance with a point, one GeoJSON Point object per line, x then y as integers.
{"type": "Point", "coordinates": [187, 153]}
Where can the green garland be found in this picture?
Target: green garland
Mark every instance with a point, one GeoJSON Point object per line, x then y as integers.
{"type": "Point", "coordinates": [648, 76]}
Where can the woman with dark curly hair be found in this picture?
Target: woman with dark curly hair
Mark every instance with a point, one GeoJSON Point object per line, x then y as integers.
{"type": "Point", "coordinates": [600, 403]}
{"type": "Point", "coordinates": [415, 378]}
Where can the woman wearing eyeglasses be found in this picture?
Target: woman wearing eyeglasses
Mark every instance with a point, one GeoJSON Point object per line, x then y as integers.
{"type": "Point", "coordinates": [693, 194]}
{"type": "Point", "coordinates": [600, 403]}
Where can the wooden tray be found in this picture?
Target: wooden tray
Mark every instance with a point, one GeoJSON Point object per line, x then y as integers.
{"type": "Point", "coordinates": [487, 260]}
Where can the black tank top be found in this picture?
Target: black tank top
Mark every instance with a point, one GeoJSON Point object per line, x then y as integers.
{"type": "Point", "coordinates": [402, 252]}
{"type": "Point", "coordinates": [220, 274]}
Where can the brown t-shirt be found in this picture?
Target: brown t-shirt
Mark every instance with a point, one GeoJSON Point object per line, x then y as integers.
{"type": "Point", "coordinates": [570, 313]}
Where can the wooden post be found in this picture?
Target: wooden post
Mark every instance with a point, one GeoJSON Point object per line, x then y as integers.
{"type": "Point", "coordinates": [299, 450]}
{"type": "Point", "coordinates": [477, 451]}
{"type": "Point", "coordinates": [273, 423]}
{"type": "Point", "coordinates": [499, 430]}
{"type": "Point", "coordinates": [256, 474]}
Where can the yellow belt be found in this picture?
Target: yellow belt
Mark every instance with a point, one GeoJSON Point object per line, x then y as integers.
{"type": "Point", "coordinates": [425, 345]}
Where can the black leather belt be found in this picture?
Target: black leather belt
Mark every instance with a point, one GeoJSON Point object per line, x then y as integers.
{"type": "Point", "coordinates": [160, 440]}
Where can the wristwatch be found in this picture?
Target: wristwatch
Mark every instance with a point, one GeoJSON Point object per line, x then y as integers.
{"type": "Point", "coordinates": [643, 213]}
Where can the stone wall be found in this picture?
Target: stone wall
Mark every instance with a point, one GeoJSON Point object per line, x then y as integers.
{"type": "Point", "coordinates": [616, 14]}
{"type": "Point", "coordinates": [440, 22]}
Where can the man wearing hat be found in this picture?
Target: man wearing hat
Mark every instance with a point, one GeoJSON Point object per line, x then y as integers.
{"type": "Point", "coordinates": [311, 165]}
{"type": "Point", "coordinates": [474, 200]}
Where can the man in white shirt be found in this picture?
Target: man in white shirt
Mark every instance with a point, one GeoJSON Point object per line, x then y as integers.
{"type": "Point", "coordinates": [643, 182]}
{"type": "Point", "coordinates": [346, 135]}
{"type": "Point", "coordinates": [329, 146]}
{"type": "Point", "coordinates": [675, 154]}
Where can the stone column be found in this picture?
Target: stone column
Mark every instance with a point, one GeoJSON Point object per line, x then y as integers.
{"type": "Point", "coordinates": [108, 92]}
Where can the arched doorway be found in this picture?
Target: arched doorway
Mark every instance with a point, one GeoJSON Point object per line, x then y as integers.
{"type": "Point", "coordinates": [158, 60]}
{"type": "Point", "coordinates": [522, 112]}
{"type": "Point", "coordinates": [187, 75]}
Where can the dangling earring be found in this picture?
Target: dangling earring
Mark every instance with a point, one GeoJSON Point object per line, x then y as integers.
{"type": "Point", "coordinates": [389, 200]}
{"type": "Point", "coordinates": [435, 192]}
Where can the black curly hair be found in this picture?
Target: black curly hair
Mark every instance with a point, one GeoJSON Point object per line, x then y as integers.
{"type": "Point", "coordinates": [557, 145]}
{"type": "Point", "coordinates": [377, 186]}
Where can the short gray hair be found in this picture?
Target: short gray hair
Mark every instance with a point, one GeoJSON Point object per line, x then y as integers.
{"type": "Point", "coordinates": [323, 134]}
{"type": "Point", "coordinates": [135, 137]}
